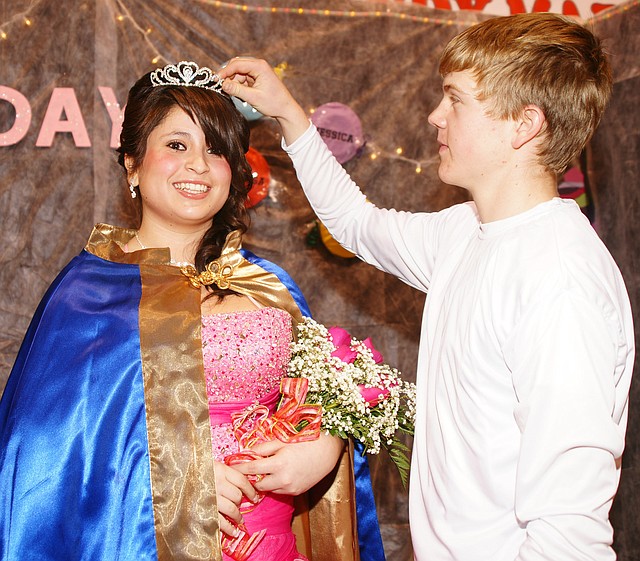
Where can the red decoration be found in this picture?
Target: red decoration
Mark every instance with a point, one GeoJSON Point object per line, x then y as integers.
{"type": "Point", "coordinates": [261, 177]}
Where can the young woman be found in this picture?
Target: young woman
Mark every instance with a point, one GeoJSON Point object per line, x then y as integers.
{"type": "Point", "coordinates": [143, 347]}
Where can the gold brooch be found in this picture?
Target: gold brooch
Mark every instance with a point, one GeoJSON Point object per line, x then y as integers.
{"type": "Point", "coordinates": [214, 273]}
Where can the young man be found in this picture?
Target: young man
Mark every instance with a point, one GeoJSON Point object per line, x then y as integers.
{"type": "Point", "coordinates": [527, 343]}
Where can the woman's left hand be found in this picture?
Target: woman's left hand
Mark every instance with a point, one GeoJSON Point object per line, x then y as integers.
{"type": "Point", "coordinates": [292, 469]}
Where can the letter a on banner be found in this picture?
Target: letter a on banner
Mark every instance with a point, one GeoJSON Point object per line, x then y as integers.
{"type": "Point", "coordinates": [63, 99]}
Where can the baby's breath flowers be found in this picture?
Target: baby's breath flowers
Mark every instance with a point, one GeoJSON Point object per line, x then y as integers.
{"type": "Point", "coordinates": [361, 397]}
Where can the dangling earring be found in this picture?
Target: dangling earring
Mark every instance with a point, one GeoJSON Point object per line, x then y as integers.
{"type": "Point", "coordinates": [132, 188]}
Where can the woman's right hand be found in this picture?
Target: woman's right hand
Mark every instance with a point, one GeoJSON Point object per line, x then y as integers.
{"type": "Point", "coordinates": [231, 486]}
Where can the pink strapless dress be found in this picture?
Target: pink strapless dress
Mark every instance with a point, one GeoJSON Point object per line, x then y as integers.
{"type": "Point", "coordinates": [245, 356]}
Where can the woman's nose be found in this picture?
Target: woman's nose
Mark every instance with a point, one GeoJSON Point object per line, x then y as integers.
{"type": "Point", "coordinates": [198, 162]}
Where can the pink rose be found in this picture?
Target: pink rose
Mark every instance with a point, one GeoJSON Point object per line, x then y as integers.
{"type": "Point", "coordinates": [373, 396]}
{"type": "Point", "coordinates": [339, 336]}
{"type": "Point", "coordinates": [377, 357]}
{"type": "Point", "coordinates": [342, 342]}
{"type": "Point", "coordinates": [345, 354]}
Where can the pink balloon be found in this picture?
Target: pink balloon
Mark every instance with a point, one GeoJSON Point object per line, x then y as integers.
{"type": "Point", "coordinates": [340, 128]}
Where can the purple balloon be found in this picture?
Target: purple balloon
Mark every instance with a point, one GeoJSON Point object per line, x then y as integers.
{"type": "Point", "coordinates": [340, 128]}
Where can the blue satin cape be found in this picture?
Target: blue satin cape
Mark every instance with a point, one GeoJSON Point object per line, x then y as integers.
{"type": "Point", "coordinates": [104, 442]}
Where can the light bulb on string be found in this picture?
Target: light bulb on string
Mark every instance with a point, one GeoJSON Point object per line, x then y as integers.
{"type": "Point", "coordinates": [375, 152]}
{"type": "Point", "coordinates": [145, 31]}
{"type": "Point", "coordinates": [305, 11]}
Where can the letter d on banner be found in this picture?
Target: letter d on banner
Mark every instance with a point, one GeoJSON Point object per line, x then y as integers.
{"type": "Point", "coordinates": [23, 116]}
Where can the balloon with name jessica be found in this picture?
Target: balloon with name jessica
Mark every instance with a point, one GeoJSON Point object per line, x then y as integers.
{"type": "Point", "coordinates": [340, 128]}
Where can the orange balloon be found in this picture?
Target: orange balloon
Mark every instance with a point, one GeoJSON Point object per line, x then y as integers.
{"type": "Point", "coordinates": [261, 177]}
{"type": "Point", "coordinates": [331, 244]}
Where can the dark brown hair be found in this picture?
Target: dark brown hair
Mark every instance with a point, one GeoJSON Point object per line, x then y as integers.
{"type": "Point", "coordinates": [226, 131]}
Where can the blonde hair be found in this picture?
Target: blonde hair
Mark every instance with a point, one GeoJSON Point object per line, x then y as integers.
{"type": "Point", "coordinates": [538, 59]}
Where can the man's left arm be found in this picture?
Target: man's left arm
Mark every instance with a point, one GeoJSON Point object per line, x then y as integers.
{"type": "Point", "coordinates": [571, 444]}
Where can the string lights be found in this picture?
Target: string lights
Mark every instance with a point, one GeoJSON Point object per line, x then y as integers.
{"type": "Point", "coordinates": [375, 152]}
{"type": "Point", "coordinates": [388, 13]}
{"type": "Point", "coordinates": [610, 12]}
{"type": "Point", "coordinates": [21, 17]}
{"type": "Point", "coordinates": [125, 14]}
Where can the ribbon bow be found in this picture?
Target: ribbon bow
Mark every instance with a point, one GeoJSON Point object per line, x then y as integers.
{"type": "Point", "coordinates": [294, 421]}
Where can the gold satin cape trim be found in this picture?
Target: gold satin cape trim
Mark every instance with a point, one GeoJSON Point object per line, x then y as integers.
{"type": "Point", "coordinates": [325, 519]}
{"type": "Point", "coordinates": [178, 427]}
{"type": "Point", "coordinates": [250, 280]}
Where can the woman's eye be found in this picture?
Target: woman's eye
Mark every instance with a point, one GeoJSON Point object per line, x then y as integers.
{"type": "Point", "coordinates": [175, 145]}
{"type": "Point", "coordinates": [214, 152]}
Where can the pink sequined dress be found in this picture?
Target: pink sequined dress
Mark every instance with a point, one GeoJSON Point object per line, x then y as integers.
{"type": "Point", "coordinates": [245, 356]}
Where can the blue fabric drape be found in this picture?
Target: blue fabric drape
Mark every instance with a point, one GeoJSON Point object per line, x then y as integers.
{"type": "Point", "coordinates": [369, 538]}
{"type": "Point", "coordinates": [74, 463]}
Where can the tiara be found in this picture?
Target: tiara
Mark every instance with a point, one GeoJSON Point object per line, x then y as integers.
{"type": "Point", "coordinates": [188, 74]}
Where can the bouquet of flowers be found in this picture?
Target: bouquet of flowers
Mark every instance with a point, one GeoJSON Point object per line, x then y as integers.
{"type": "Point", "coordinates": [334, 383]}
{"type": "Point", "coordinates": [361, 397]}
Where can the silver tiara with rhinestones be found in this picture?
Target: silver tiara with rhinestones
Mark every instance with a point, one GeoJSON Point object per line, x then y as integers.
{"type": "Point", "coordinates": [188, 74]}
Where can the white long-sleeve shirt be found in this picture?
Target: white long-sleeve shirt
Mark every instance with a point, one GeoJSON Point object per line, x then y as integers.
{"type": "Point", "coordinates": [524, 366]}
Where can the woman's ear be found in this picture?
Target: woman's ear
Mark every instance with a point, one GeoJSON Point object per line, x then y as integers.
{"type": "Point", "coordinates": [132, 174]}
{"type": "Point", "coordinates": [528, 126]}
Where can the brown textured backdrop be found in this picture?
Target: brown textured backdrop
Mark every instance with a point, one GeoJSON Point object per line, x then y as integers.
{"type": "Point", "coordinates": [382, 66]}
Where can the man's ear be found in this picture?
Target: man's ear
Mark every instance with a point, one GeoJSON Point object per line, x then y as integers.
{"type": "Point", "coordinates": [528, 126]}
{"type": "Point", "coordinates": [132, 174]}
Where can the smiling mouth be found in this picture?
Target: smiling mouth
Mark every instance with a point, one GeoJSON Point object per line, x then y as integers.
{"type": "Point", "coordinates": [195, 188]}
